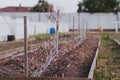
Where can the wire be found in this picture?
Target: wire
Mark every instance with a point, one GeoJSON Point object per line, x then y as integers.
{"type": "Point", "coordinates": [7, 23]}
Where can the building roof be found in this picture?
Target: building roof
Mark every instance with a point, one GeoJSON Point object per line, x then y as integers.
{"type": "Point", "coordinates": [15, 9]}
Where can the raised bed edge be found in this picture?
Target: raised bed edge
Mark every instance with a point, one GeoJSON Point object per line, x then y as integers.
{"type": "Point", "coordinates": [91, 72]}
{"type": "Point", "coordinates": [117, 41]}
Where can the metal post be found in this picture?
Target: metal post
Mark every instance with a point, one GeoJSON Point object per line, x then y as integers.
{"type": "Point", "coordinates": [73, 25]}
{"type": "Point", "coordinates": [25, 46]}
{"type": "Point", "coordinates": [83, 29]}
{"type": "Point", "coordinates": [69, 20]}
{"type": "Point", "coordinates": [118, 22]}
{"type": "Point", "coordinates": [78, 22]}
{"type": "Point", "coordinates": [39, 17]}
{"type": "Point", "coordinates": [57, 30]}
{"type": "Point", "coordinates": [39, 13]}
{"type": "Point", "coordinates": [34, 30]}
{"type": "Point", "coordinates": [86, 28]}
{"type": "Point", "coordinates": [116, 27]}
{"type": "Point", "coordinates": [39, 5]}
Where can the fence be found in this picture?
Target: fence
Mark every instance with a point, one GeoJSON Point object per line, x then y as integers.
{"type": "Point", "coordinates": [106, 20]}
{"type": "Point", "coordinates": [15, 26]}
{"type": "Point", "coordinates": [12, 23]}
{"type": "Point", "coordinates": [45, 51]}
{"type": "Point", "coordinates": [42, 52]}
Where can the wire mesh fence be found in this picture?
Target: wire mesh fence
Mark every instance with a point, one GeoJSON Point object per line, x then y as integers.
{"type": "Point", "coordinates": [44, 46]}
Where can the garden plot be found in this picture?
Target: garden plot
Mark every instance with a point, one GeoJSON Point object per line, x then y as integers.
{"type": "Point", "coordinates": [116, 36]}
{"type": "Point", "coordinates": [4, 46]}
{"type": "Point", "coordinates": [108, 63]}
{"type": "Point", "coordinates": [76, 63]}
{"type": "Point", "coordinates": [71, 60]}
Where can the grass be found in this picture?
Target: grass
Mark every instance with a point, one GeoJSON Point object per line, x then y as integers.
{"type": "Point", "coordinates": [108, 63]}
{"type": "Point", "coordinates": [101, 75]}
{"type": "Point", "coordinates": [43, 36]}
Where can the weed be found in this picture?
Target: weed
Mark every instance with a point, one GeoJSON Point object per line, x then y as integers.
{"type": "Point", "coordinates": [100, 75]}
{"type": "Point", "coordinates": [108, 59]}
{"type": "Point", "coordinates": [43, 36]}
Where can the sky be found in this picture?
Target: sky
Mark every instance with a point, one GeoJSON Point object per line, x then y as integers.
{"type": "Point", "coordinates": [65, 5]}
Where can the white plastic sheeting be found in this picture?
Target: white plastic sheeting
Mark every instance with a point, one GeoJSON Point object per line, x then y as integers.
{"type": "Point", "coordinates": [39, 23]}
{"type": "Point", "coordinates": [15, 26]}
{"type": "Point", "coordinates": [94, 21]}
{"type": "Point", "coordinates": [104, 20]}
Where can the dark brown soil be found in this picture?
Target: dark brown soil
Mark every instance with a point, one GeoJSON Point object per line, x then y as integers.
{"type": "Point", "coordinates": [41, 78]}
{"type": "Point", "coordinates": [75, 63]}
{"type": "Point", "coordinates": [15, 44]}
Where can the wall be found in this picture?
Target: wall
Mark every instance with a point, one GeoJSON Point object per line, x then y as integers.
{"type": "Point", "coordinates": [15, 26]}
{"type": "Point", "coordinates": [12, 23]}
{"type": "Point", "coordinates": [105, 20]}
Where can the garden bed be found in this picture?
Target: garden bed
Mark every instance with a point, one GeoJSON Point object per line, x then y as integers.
{"type": "Point", "coordinates": [75, 63]}
{"type": "Point", "coordinates": [108, 63]}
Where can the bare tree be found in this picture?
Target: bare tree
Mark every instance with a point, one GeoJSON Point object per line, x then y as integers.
{"type": "Point", "coordinates": [55, 16]}
{"type": "Point", "coordinates": [53, 54]}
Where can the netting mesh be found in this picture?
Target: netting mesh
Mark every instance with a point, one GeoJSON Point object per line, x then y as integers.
{"type": "Point", "coordinates": [43, 47]}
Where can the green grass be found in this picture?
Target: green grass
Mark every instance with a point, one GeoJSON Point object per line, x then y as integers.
{"type": "Point", "coordinates": [101, 75]}
{"type": "Point", "coordinates": [108, 63]}
{"type": "Point", "coordinates": [48, 36]}
{"type": "Point", "coordinates": [43, 36]}
{"type": "Point", "coordinates": [102, 56]}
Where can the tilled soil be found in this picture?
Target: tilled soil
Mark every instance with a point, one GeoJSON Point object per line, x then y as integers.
{"type": "Point", "coordinates": [75, 63]}
{"type": "Point", "coordinates": [4, 46]}
{"type": "Point", "coordinates": [116, 36]}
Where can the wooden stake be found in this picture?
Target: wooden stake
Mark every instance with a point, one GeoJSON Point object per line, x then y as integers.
{"type": "Point", "coordinates": [25, 46]}
{"type": "Point", "coordinates": [57, 30]}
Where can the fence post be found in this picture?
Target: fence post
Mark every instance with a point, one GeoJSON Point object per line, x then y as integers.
{"type": "Point", "coordinates": [78, 22]}
{"type": "Point", "coordinates": [73, 26]}
{"type": "Point", "coordinates": [25, 46]}
{"type": "Point", "coordinates": [57, 30]}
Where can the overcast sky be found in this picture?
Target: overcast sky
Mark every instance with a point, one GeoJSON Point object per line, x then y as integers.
{"type": "Point", "coordinates": [65, 5]}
